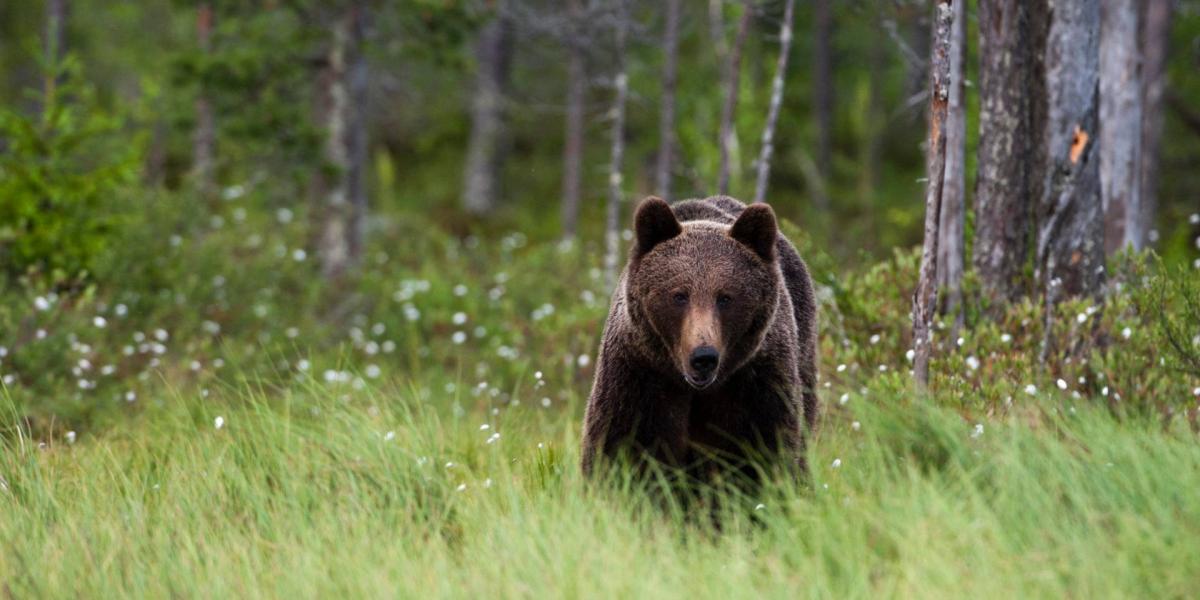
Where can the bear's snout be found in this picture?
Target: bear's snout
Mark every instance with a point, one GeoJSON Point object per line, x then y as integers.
{"type": "Point", "coordinates": [703, 363]}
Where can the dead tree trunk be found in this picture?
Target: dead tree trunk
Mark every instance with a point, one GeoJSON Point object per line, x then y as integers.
{"type": "Point", "coordinates": [573, 138]}
{"type": "Point", "coordinates": [954, 192]}
{"type": "Point", "coordinates": [1011, 119]}
{"type": "Point", "coordinates": [666, 122]}
{"type": "Point", "coordinates": [768, 136]}
{"type": "Point", "coordinates": [1155, 31]}
{"type": "Point", "coordinates": [1070, 243]}
{"type": "Point", "coordinates": [1120, 124]}
{"type": "Point", "coordinates": [925, 296]}
{"type": "Point", "coordinates": [341, 184]}
{"type": "Point", "coordinates": [730, 83]}
{"type": "Point", "coordinates": [204, 137]}
{"type": "Point", "coordinates": [485, 154]}
{"type": "Point", "coordinates": [615, 179]}
{"type": "Point", "coordinates": [822, 88]}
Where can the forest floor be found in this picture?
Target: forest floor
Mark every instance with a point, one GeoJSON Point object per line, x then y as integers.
{"type": "Point", "coordinates": [217, 427]}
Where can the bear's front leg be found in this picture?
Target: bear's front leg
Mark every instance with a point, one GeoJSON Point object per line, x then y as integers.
{"type": "Point", "coordinates": [634, 416]}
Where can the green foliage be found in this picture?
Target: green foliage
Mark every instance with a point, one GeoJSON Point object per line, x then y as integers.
{"type": "Point", "coordinates": [62, 174]}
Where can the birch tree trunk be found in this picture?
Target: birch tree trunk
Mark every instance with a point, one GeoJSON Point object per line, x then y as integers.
{"type": "Point", "coordinates": [1156, 32]}
{"type": "Point", "coordinates": [822, 89]}
{"type": "Point", "coordinates": [768, 136]}
{"type": "Point", "coordinates": [954, 192]}
{"type": "Point", "coordinates": [612, 223]}
{"type": "Point", "coordinates": [343, 82]}
{"type": "Point", "coordinates": [925, 296]}
{"type": "Point", "coordinates": [1120, 124]}
{"type": "Point", "coordinates": [485, 156]}
{"type": "Point", "coordinates": [573, 138]}
{"type": "Point", "coordinates": [204, 137]}
{"type": "Point", "coordinates": [1070, 243]}
{"type": "Point", "coordinates": [730, 83]}
{"type": "Point", "coordinates": [666, 122]}
{"type": "Point", "coordinates": [1011, 120]}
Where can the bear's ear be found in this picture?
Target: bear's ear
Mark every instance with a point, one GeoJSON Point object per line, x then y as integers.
{"type": "Point", "coordinates": [653, 224]}
{"type": "Point", "coordinates": [757, 230]}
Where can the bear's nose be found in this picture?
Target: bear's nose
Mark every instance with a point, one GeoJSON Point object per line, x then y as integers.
{"type": "Point", "coordinates": [704, 359]}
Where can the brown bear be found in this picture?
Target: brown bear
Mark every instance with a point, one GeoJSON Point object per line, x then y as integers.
{"type": "Point", "coordinates": [709, 352]}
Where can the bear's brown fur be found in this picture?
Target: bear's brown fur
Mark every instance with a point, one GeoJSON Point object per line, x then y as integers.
{"type": "Point", "coordinates": [709, 282]}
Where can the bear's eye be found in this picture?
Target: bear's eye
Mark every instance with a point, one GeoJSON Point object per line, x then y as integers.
{"type": "Point", "coordinates": [724, 300]}
{"type": "Point", "coordinates": [679, 299]}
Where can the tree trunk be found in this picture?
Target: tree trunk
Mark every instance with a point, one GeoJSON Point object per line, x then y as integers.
{"type": "Point", "coordinates": [55, 42]}
{"type": "Point", "coordinates": [1012, 113]}
{"type": "Point", "coordinates": [1070, 245]}
{"type": "Point", "coordinates": [357, 141]}
{"type": "Point", "coordinates": [485, 155]}
{"type": "Point", "coordinates": [666, 123]}
{"type": "Point", "coordinates": [612, 223]}
{"type": "Point", "coordinates": [1156, 32]}
{"type": "Point", "coordinates": [730, 83]}
{"type": "Point", "coordinates": [822, 88]}
{"type": "Point", "coordinates": [925, 296]}
{"type": "Point", "coordinates": [954, 192]}
{"type": "Point", "coordinates": [204, 137]}
{"type": "Point", "coordinates": [573, 138]}
{"type": "Point", "coordinates": [768, 136]}
{"type": "Point", "coordinates": [1120, 124]}
{"type": "Point", "coordinates": [343, 78]}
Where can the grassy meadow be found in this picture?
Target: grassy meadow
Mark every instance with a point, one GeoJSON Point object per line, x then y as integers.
{"type": "Point", "coordinates": [221, 427]}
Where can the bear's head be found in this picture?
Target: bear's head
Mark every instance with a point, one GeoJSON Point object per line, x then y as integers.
{"type": "Point", "coordinates": [703, 293]}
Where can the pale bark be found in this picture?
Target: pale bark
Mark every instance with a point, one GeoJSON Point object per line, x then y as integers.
{"type": "Point", "coordinates": [204, 137]}
{"type": "Point", "coordinates": [573, 138]}
{"type": "Point", "coordinates": [485, 154]}
{"type": "Point", "coordinates": [954, 192]}
{"type": "Point", "coordinates": [925, 296]}
{"type": "Point", "coordinates": [1070, 244]}
{"type": "Point", "coordinates": [1011, 119]}
{"type": "Point", "coordinates": [666, 122]}
{"type": "Point", "coordinates": [768, 136]}
{"type": "Point", "coordinates": [730, 84]}
{"type": "Point", "coordinates": [344, 199]}
{"type": "Point", "coordinates": [1120, 124]}
{"type": "Point", "coordinates": [822, 89]}
{"type": "Point", "coordinates": [1156, 35]}
{"type": "Point", "coordinates": [612, 223]}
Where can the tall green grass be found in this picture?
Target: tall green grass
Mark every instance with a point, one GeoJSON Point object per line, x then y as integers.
{"type": "Point", "coordinates": [372, 493]}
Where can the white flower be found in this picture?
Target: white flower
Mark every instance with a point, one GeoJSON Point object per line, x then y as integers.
{"type": "Point", "coordinates": [70, 437]}
{"type": "Point", "coordinates": [1004, 337]}
{"type": "Point", "coordinates": [875, 339]}
{"type": "Point", "coordinates": [973, 363]}
{"type": "Point", "coordinates": [283, 215]}
{"type": "Point", "coordinates": [844, 399]}
{"type": "Point", "coordinates": [1081, 317]}
{"type": "Point", "coordinates": [389, 436]}
{"type": "Point", "coordinates": [161, 335]}
{"type": "Point", "coordinates": [759, 506]}
{"type": "Point", "coordinates": [373, 371]}
{"type": "Point", "coordinates": [459, 337]}
{"type": "Point", "coordinates": [299, 255]}
{"type": "Point", "coordinates": [1104, 391]}
{"type": "Point", "coordinates": [882, 368]}
{"type": "Point", "coordinates": [1196, 392]}
{"type": "Point", "coordinates": [977, 430]}
{"type": "Point", "coordinates": [546, 401]}
{"type": "Point", "coordinates": [99, 321]}
{"type": "Point", "coordinates": [219, 422]}
{"type": "Point", "coordinates": [460, 290]}
{"type": "Point", "coordinates": [41, 303]}
{"type": "Point", "coordinates": [910, 355]}
{"type": "Point", "coordinates": [841, 368]}
{"type": "Point", "coordinates": [459, 318]}
{"type": "Point", "coordinates": [494, 437]}
{"type": "Point", "coordinates": [856, 426]}
{"type": "Point", "coordinates": [583, 360]}
{"type": "Point", "coordinates": [485, 427]}
{"type": "Point", "coordinates": [837, 462]}
{"type": "Point", "coordinates": [462, 487]}
{"type": "Point", "coordinates": [1125, 333]}
{"type": "Point", "coordinates": [303, 364]}
{"type": "Point", "coordinates": [1062, 385]}
{"type": "Point", "coordinates": [1031, 389]}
